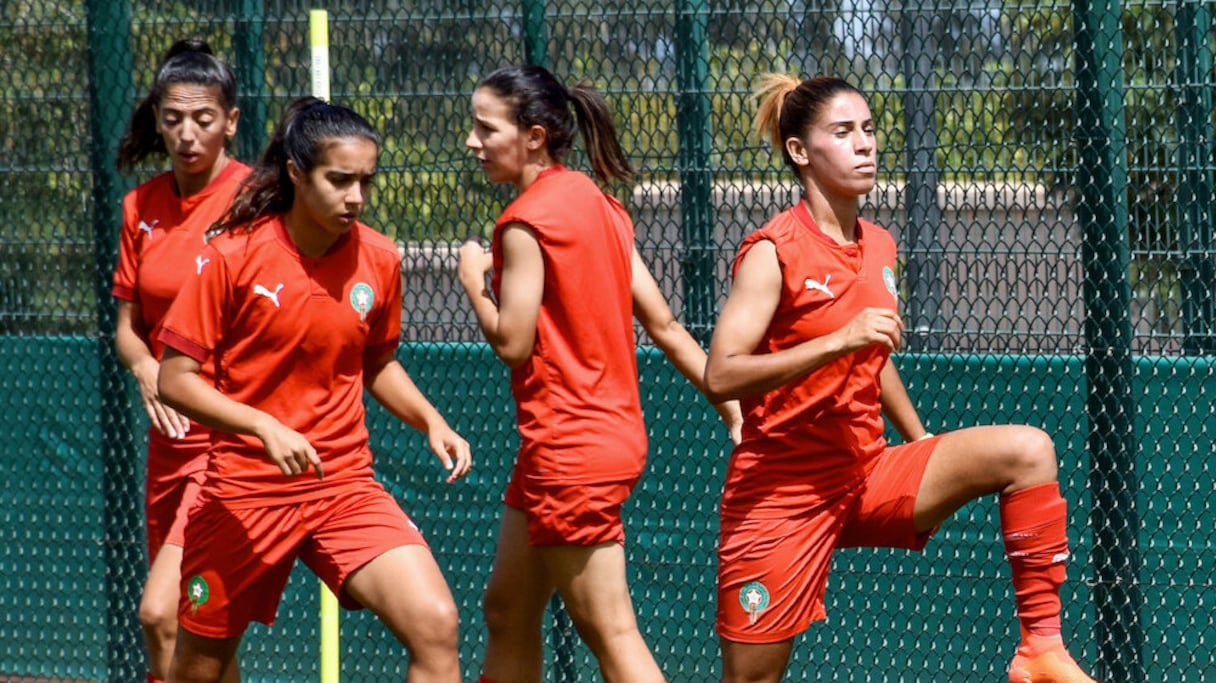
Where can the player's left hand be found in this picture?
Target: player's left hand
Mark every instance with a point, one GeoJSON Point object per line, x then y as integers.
{"type": "Point", "coordinates": [452, 449]}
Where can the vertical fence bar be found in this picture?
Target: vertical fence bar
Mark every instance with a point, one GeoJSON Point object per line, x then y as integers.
{"type": "Point", "coordinates": [1192, 23]}
{"type": "Point", "coordinates": [1103, 216]}
{"type": "Point", "coordinates": [696, 181]}
{"type": "Point", "coordinates": [250, 78]}
{"type": "Point", "coordinates": [922, 215]}
{"type": "Point", "coordinates": [536, 34]}
{"type": "Point", "coordinates": [111, 93]}
{"type": "Point", "coordinates": [561, 631]}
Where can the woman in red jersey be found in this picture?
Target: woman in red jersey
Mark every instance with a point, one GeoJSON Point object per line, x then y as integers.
{"type": "Point", "coordinates": [804, 341]}
{"type": "Point", "coordinates": [189, 116]}
{"type": "Point", "coordinates": [566, 284]}
{"type": "Point", "coordinates": [299, 305]}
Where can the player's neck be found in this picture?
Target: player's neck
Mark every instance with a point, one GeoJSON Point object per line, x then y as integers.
{"type": "Point", "coordinates": [836, 217]}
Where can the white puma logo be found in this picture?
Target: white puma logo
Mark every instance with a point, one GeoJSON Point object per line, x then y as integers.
{"type": "Point", "coordinates": [821, 286]}
{"type": "Point", "coordinates": [200, 262]}
{"type": "Point", "coordinates": [273, 296]}
{"type": "Point", "coordinates": [148, 227]}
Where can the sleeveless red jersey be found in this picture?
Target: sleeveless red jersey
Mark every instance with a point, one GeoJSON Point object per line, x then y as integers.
{"type": "Point", "coordinates": [808, 441]}
{"type": "Point", "coordinates": [577, 402]}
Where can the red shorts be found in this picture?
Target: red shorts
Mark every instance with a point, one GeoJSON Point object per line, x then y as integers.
{"type": "Point", "coordinates": [173, 480]}
{"type": "Point", "coordinates": [772, 573]}
{"type": "Point", "coordinates": [563, 513]}
{"type": "Point", "coordinates": [237, 562]}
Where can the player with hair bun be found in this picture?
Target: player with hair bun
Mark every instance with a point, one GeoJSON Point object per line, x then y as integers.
{"type": "Point", "coordinates": [189, 116]}
{"type": "Point", "coordinates": [804, 341]}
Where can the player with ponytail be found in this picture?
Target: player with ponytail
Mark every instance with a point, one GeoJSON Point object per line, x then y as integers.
{"type": "Point", "coordinates": [188, 117]}
{"type": "Point", "coordinates": [804, 342]}
{"type": "Point", "coordinates": [565, 284]}
{"type": "Point", "coordinates": [299, 306]}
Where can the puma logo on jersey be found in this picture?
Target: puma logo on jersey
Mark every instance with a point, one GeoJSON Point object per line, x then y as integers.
{"type": "Point", "coordinates": [273, 296]}
{"type": "Point", "coordinates": [147, 227]}
{"type": "Point", "coordinates": [820, 286]}
{"type": "Point", "coordinates": [199, 261]}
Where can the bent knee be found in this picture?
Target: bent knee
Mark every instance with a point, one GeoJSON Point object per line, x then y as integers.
{"type": "Point", "coordinates": [158, 614]}
{"type": "Point", "coordinates": [1032, 455]}
{"type": "Point", "coordinates": [440, 626]}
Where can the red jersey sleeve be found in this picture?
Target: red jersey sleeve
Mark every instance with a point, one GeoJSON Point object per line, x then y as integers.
{"type": "Point", "coordinates": [384, 333]}
{"type": "Point", "coordinates": [199, 315]}
{"type": "Point", "coordinates": [125, 273]}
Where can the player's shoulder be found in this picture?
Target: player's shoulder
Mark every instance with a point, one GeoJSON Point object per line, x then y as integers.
{"type": "Point", "coordinates": [876, 234]}
{"type": "Point", "coordinates": [151, 193]}
{"type": "Point", "coordinates": [376, 241]}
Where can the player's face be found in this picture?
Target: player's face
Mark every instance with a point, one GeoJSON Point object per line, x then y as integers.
{"type": "Point", "coordinates": [330, 197]}
{"type": "Point", "coordinates": [195, 127]}
{"type": "Point", "coordinates": [499, 144]}
{"type": "Point", "coordinates": [841, 147]}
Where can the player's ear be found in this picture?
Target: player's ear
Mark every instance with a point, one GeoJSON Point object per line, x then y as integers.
{"type": "Point", "coordinates": [293, 172]}
{"type": "Point", "coordinates": [797, 151]}
{"type": "Point", "coordinates": [537, 138]}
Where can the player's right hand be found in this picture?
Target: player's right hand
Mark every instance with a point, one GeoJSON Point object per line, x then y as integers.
{"type": "Point", "coordinates": [164, 419]}
{"type": "Point", "coordinates": [289, 449]}
{"type": "Point", "coordinates": [873, 326]}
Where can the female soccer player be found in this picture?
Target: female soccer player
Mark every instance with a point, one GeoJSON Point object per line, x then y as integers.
{"type": "Point", "coordinates": [804, 341]}
{"type": "Point", "coordinates": [189, 116]}
{"type": "Point", "coordinates": [299, 304]}
{"type": "Point", "coordinates": [566, 284]}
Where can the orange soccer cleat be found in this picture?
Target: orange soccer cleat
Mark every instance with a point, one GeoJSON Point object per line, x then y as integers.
{"type": "Point", "coordinates": [1043, 659]}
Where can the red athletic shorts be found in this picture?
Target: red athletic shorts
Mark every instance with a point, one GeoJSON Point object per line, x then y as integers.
{"type": "Point", "coordinates": [173, 480]}
{"type": "Point", "coordinates": [564, 513]}
{"type": "Point", "coordinates": [236, 562]}
{"type": "Point", "coordinates": [772, 573]}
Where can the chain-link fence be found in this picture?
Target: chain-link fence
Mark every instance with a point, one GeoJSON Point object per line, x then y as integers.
{"type": "Point", "coordinates": [1046, 168]}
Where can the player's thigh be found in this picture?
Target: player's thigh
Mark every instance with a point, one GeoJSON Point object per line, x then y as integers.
{"type": "Point", "coordinates": [198, 658]}
{"type": "Point", "coordinates": [519, 586]}
{"type": "Point", "coordinates": [162, 589]}
{"type": "Point", "coordinates": [754, 662]}
{"type": "Point", "coordinates": [405, 588]}
{"type": "Point", "coordinates": [979, 461]}
{"type": "Point", "coordinates": [592, 583]}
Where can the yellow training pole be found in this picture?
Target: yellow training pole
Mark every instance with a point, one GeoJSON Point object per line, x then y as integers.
{"type": "Point", "coordinates": [318, 42]}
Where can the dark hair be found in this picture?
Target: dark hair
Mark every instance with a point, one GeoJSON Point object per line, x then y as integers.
{"type": "Point", "coordinates": [538, 99]}
{"type": "Point", "coordinates": [308, 126]}
{"type": "Point", "coordinates": [788, 106]}
{"type": "Point", "coordinates": [188, 61]}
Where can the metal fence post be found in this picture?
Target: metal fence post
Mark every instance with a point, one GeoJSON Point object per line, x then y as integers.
{"type": "Point", "coordinates": [110, 98]}
{"type": "Point", "coordinates": [536, 51]}
{"type": "Point", "coordinates": [1192, 22]}
{"type": "Point", "coordinates": [250, 78]}
{"type": "Point", "coordinates": [696, 180]}
{"type": "Point", "coordinates": [1102, 212]}
{"type": "Point", "coordinates": [536, 34]}
{"type": "Point", "coordinates": [922, 215]}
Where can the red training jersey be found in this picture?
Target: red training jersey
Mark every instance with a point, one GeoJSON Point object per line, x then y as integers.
{"type": "Point", "coordinates": [162, 235]}
{"type": "Point", "coordinates": [810, 440]}
{"type": "Point", "coordinates": [290, 336]}
{"type": "Point", "coordinates": [577, 402]}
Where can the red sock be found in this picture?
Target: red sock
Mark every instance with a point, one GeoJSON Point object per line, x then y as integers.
{"type": "Point", "coordinates": [483, 679]}
{"type": "Point", "coordinates": [1034, 524]}
{"type": "Point", "coordinates": [153, 679]}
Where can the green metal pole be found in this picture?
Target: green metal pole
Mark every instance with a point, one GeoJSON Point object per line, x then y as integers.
{"type": "Point", "coordinates": [111, 95]}
{"type": "Point", "coordinates": [561, 631]}
{"type": "Point", "coordinates": [250, 78]}
{"type": "Point", "coordinates": [536, 34]}
{"type": "Point", "coordinates": [1102, 212]}
{"type": "Point", "coordinates": [696, 181]}
{"type": "Point", "coordinates": [922, 215]}
{"type": "Point", "coordinates": [1192, 23]}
